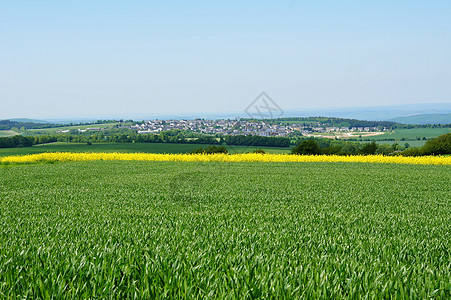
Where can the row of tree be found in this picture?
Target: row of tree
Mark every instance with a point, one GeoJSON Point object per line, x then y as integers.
{"type": "Point", "coordinates": [254, 140]}
{"type": "Point", "coordinates": [210, 150]}
{"type": "Point", "coordinates": [342, 122]}
{"type": "Point", "coordinates": [121, 136]}
{"type": "Point", "coordinates": [338, 122]}
{"type": "Point", "coordinates": [8, 124]}
{"type": "Point", "coordinates": [25, 141]}
{"type": "Point", "coordinates": [25, 125]}
{"type": "Point", "coordinates": [438, 146]}
{"type": "Point", "coordinates": [312, 146]}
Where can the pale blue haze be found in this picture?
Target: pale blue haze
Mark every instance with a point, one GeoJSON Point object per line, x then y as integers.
{"type": "Point", "coordinates": [104, 58]}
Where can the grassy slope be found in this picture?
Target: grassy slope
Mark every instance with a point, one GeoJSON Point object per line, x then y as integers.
{"type": "Point", "coordinates": [54, 130]}
{"type": "Point", "coordinates": [424, 119]}
{"type": "Point", "coordinates": [7, 133]}
{"type": "Point", "coordinates": [401, 143]}
{"type": "Point", "coordinates": [412, 133]}
{"type": "Point", "coordinates": [125, 147]}
{"type": "Point", "coordinates": [240, 229]}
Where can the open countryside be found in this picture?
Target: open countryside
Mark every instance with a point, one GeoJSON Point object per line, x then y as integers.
{"type": "Point", "coordinates": [230, 150]}
{"type": "Point", "coordinates": [6, 133]}
{"type": "Point", "coordinates": [156, 219]}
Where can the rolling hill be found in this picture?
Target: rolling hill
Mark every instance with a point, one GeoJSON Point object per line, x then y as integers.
{"type": "Point", "coordinates": [424, 119]}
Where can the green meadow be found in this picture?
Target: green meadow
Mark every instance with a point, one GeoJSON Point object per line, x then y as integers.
{"type": "Point", "coordinates": [54, 130]}
{"type": "Point", "coordinates": [7, 133]}
{"type": "Point", "coordinates": [412, 134]}
{"type": "Point", "coordinates": [165, 230]}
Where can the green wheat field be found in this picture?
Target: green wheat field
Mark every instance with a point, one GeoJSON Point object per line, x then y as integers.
{"type": "Point", "coordinates": [118, 229]}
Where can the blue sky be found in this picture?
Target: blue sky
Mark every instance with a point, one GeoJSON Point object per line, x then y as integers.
{"type": "Point", "coordinates": [101, 58]}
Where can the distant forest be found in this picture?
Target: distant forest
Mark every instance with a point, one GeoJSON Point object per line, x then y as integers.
{"type": "Point", "coordinates": [340, 122]}
{"type": "Point", "coordinates": [8, 124]}
{"type": "Point", "coordinates": [308, 121]}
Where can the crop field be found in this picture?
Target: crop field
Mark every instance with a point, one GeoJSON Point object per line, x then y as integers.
{"type": "Point", "coordinates": [139, 229]}
{"type": "Point", "coordinates": [412, 134]}
{"type": "Point", "coordinates": [127, 148]}
{"type": "Point", "coordinates": [414, 143]}
{"type": "Point", "coordinates": [7, 133]}
{"type": "Point", "coordinates": [54, 130]}
{"type": "Point", "coordinates": [400, 136]}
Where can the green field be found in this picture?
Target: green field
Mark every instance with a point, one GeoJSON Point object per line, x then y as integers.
{"type": "Point", "coordinates": [412, 134]}
{"type": "Point", "coordinates": [127, 148]}
{"type": "Point", "coordinates": [401, 143]}
{"type": "Point", "coordinates": [6, 133]}
{"type": "Point", "coordinates": [216, 230]}
{"type": "Point", "coordinates": [54, 130]}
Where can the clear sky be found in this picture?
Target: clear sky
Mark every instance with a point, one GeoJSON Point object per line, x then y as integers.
{"type": "Point", "coordinates": [98, 58]}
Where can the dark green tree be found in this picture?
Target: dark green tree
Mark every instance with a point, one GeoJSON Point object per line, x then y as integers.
{"type": "Point", "coordinates": [306, 147]}
{"type": "Point", "coordinates": [369, 148]}
{"type": "Point", "coordinates": [439, 145]}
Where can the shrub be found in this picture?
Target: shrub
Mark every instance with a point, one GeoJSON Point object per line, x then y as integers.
{"type": "Point", "coordinates": [439, 145]}
{"type": "Point", "coordinates": [261, 151]}
{"type": "Point", "coordinates": [331, 150]}
{"type": "Point", "coordinates": [349, 149]}
{"type": "Point", "coordinates": [210, 150]}
{"type": "Point", "coordinates": [369, 148]}
{"type": "Point", "coordinates": [306, 147]}
{"type": "Point", "coordinates": [412, 152]}
{"type": "Point", "coordinates": [384, 149]}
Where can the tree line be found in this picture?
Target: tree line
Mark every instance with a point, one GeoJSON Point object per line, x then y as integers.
{"type": "Point", "coordinates": [254, 140]}
{"type": "Point", "coordinates": [25, 141]}
{"type": "Point", "coordinates": [25, 125]}
{"type": "Point", "coordinates": [330, 121]}
{"type": "Point", "coordinates": [119, 136]}
{"type": "Point", "coordinates": [437, 146]}
{"type": "Point", "coordinates": [8, 125]}
{"type": "Point", "coordinates": [322, 147]}
{"type": "Point", "coordinates": [343, 122]}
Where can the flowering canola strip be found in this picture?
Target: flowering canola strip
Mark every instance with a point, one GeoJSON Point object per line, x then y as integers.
{"type": "Point", "coordinates": [219, 157]}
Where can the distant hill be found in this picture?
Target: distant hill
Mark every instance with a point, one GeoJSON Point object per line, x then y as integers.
{"type": "Point", "coordinates": [333, 122]}
{"type": "Point", "coordinates": [368, 113]}
{"type": "Point", "coordinates": [424, 119]}
{"type": "Point", "coordinates": [9, 124]}
{"type": "Point", "coordinates": [375, 113]}
{"type": "Point", "coordinates": [26, 120]}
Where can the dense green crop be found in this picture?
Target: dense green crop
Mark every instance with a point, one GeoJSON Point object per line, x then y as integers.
{"type": "Point", "coordinates": [212, 230]}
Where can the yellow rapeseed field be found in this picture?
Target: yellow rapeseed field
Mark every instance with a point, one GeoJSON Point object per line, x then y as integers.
{"type": "Point", "coordinates": [245, 157]}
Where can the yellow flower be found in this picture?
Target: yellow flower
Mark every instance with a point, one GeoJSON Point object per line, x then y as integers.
{"type": "Point", "coordinates": [219, 157]}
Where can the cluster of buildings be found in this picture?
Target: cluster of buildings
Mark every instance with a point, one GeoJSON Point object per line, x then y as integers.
{"type": "Point", "coordinates": [81, 130]}
{"type": "Point", "coordinates": [239, 127]}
